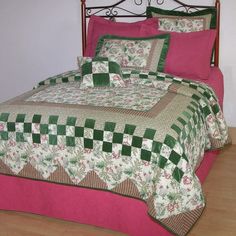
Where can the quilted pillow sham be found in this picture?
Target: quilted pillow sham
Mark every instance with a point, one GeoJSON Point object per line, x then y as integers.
{"type": "Point", "coordinates": [146, 54]}
{"type": "Point", "coordinates": [101, 72]}
{"type": "Point", "coordinates": [177, 21]}
{"type": "Point", "coordinates": [99, 26]}
{"type": "Point", "coordinates": [189, 54]}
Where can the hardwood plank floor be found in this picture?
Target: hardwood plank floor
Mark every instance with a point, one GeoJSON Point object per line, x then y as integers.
{"type": "Point", "coordinates": [218, 219]}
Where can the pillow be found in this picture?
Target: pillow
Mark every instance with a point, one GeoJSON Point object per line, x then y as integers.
{"type": "Point", "coordinates": [81, 60]}
{"type": "Point", "coordinates": [177, 21]}
{"type": "Point", "coordinates": [101, 72]}
{"type": "Point", "coordinates": [189, 54]}
{"type": "Point", "coordinates": [147, 54]}
{"type": "Point", "coordinates": [99, 26]}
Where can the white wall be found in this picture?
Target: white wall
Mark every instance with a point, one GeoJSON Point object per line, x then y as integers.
{"type": "Point", "coordinates": [40, 38]}
{"type": "Point", "coordinates": [227, 58]}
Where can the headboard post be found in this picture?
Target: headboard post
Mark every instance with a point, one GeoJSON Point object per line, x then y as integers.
{"type": "Point", "coordinates": [217, 43]}
{"type": "Point", "coordinates": [83, 22]}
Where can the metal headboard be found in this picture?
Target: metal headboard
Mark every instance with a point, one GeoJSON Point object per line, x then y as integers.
{"type": "Point", "coordinates": [118, 10]}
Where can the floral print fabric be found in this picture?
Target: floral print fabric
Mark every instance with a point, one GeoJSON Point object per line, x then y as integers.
{"type": "Point", "coordinates": [135, 53]}
{"type": "Point", "coordinates": [136, 97]}
{"type": "Point", "coordinates": [181, 24]}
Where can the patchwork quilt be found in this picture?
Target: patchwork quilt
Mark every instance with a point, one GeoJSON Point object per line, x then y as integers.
{"type": "Point", "coordinates": [144, 140]}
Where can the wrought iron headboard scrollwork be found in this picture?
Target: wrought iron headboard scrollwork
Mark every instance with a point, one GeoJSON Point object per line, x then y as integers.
{"type": "Point", "coordinates": [118, 10]}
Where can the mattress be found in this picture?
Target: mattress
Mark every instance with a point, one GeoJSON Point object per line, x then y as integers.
{"type": "Point", "coordinates": [216, 81]}
{"type": "Point", "coordinates": [90, 206]}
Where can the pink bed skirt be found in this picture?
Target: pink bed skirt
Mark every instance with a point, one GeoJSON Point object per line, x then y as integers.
{"type": "Point", "coordinates": [86, 206]}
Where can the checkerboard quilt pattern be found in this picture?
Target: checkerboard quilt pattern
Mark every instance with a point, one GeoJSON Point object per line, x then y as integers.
{"type": "Point", "coordinates": [101, 72]}
{"type": "Point", "coordinates": [69, 76]}
{"type": "Point", "coordinates": [75, 75]}
{"type": "Point", "coordinates": [53, 132]}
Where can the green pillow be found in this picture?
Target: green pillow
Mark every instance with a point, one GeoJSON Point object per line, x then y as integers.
{"type": "Point", "coordinates": [177, 21]}
{"type": "Point", "coordinates": [101, 72]}
{"type": "Point", "coordinates": [146, 54]}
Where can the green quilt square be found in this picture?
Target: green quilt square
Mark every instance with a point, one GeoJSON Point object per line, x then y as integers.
{"type": "Point", "coordinates": [117, 138]}
{"type": "Point", "coordinates": [88, 143]}
{"type": "Point", "coordinates": [11, 127]}
{"type": "Point", "coordinates": [191, 109]}
{"type": "Point", "coordinates": [52, 139]}
{"type": "Point", "coordinates": [36, 138]}
{"type": "Point", "coordinates": [176, 128]}
{"type": "Point", "coordinates": [20, 137]}
{"type": "Point", "coordinates": [4, 135]}
{"type": "Point", "coordinates": [53, 81]}
{"type": "Point", "coordinates": [195, 120]}
{"type": "Point", "coordinates": [44, 129]}
{"type": "Point", "coordinates": [27, 128]}
{"type": "Point", "coordinates": [206, 94]}
{"type": "Point", "coordinates": [65, 80]}
{"type": "Point", "coordinates": [107, 147]}
{"type": "Point", "coordinates": [53, 120]}
{"type": "Point", "coordinates": [70, 141]}
{"type": "Point", "coordinates": [194, 104]}
{"type": "Point", "coordinates": [186, 114]}
{"type": "Point", "coordinates": [37, 119]}
{"type": "Point", "coordinates": [156, 147]}
{"type": "Point", "coordinates": [113, 67]}
{"type": "Point", "coordinates": [143, 76]}
{"type": "Point", "coordinates": [129, 129]}
{"type": "Point", "coordinates": [177, 174]}
{"type": "Point", "coordinates": [71, 121]}
{"type": "Point", "coordinates": [20, 118]}
{"type": "Point", "coordinates": [79, 131]}
{"type": "Point", "coordinates": [89, 123]}
{"type": "Point", "coordinates": [145, 155]}
{"type": "Point", "coordinates": [61, 130]}
{"type": "Point", "coordinates": [196, 97]}
{"type": "Point", "coordinates": [86, 69]}
{"type": "Point", "coordinates": [102, 79]}
{"type": "Point", "coordinates": [109, 126]}
{"type": "Point", "coordinates": [4, 117]}
{"type": "Point", "coordinates": [174, 157]}
{"type": "Point", "coordinates": [184, 134]}
{"type": "Point", "coordinates": [137, 142]}
{"type": "Point", "coordinates": [149, 134]}
{"type": "Point", "coordinates": [160, 78]}
{"type": "Point", "coordinates": [126, 150]}
{"type": "Point", "coordinates": [206, 111]}
{"type": "Point", "coordinates": [194, 86]}
{"type": "Point", "coordinates": [98, 135]}
{"type": "Point", "coordinates": [182, 121]}
{"type": "Point", "coordinates": [162, 162]}
{"type": "Point", "coordinates": [170, 141]}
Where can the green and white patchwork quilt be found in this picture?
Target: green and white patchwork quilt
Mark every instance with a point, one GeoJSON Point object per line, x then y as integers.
{"type": "Point", "coordinates": [144, 140]}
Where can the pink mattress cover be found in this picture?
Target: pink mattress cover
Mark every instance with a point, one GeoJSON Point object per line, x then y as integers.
{"type": "Point", "coordinates": [88, 206]}
{"type": "Point", "coordinates": [216, 81]}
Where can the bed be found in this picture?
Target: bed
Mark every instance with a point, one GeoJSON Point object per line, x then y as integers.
{"type": "Point", "coordinates": [125, 141]}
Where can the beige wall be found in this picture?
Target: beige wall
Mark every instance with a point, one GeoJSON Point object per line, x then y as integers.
{"type": "Point", "coordinates": [40, 38]}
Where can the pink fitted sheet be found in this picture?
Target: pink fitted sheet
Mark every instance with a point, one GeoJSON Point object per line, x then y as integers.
{"type": "Point", "coordinates": [88, 206]}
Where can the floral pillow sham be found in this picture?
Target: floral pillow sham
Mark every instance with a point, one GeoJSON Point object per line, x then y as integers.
{"type": "Point", "coordinates": [177, 21]}
{"type": "Point", "coordinates": [99, 26]}
{"type": "Point", "coordinates": [101, 72]}
{"type": "Point", "coordinates": [182, 24]}
{"type": "Point", "coordinates": [146, 54]}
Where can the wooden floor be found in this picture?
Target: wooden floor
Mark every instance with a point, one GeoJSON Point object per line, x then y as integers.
{"type": "Point", "coordinates": [218, 219]}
